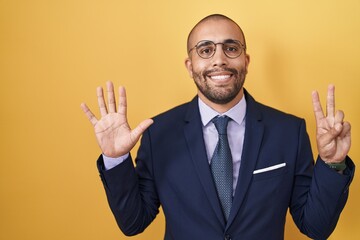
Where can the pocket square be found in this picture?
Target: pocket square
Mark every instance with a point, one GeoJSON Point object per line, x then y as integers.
{"type": "Point", "coordinates": [271, 168]}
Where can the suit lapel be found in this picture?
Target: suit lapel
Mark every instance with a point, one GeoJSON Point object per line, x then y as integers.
{"type": "Point", "coordinates": [254, 130]}
{"type": "Point", "coordinates": [195, 143]}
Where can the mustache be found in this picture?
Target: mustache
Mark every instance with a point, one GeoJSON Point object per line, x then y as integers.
{"type": "Point", "coordinates": [232, 70]}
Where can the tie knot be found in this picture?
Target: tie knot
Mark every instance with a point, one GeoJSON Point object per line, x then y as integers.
{"type": "Point", "coordinates": [221, 123]}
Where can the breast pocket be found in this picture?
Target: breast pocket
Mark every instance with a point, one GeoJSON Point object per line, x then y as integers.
{"type": "Point", "coordinates": [269, 172]}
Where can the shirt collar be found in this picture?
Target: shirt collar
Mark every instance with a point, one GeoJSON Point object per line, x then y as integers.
{"type": "Point", "coordinates": [236, 113]}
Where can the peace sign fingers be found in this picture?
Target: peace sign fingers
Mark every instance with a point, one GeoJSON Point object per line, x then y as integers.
{"type": "Point", "coordinates": [333, 134]}
{"type": "Point", "coordinates": [318, 111]}
{"type": "Point", "coordinates": [330, 101]}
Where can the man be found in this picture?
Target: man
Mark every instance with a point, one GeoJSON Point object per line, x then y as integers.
{"type": "Point", "coordinates": [183, 160]}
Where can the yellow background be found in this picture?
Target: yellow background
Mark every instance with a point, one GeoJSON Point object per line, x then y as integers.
{"type": "Point", "coordinates": [53, 55]}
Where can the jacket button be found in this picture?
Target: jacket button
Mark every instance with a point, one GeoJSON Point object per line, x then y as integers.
{"type": "Point", "coordinates": [227, 237]}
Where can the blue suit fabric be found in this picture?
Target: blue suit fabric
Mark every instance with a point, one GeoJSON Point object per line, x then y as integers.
{"type": "Point", "coordinates": [172, 171]}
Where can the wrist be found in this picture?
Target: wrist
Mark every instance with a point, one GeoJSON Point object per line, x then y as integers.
{"type": "Point", "coordinates": [341, 166]}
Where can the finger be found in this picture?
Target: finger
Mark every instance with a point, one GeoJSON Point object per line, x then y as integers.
{"type": "Point", "coordinates": [346, 130]}
{"type": "Point", "coordinates": [101, 101]}
{"type": "Point", "coordinates": [88, 113]}
{"type": "Point", "coordinates": [136, 132]}
{"type": "Point", "coordinates": [122, 108]}
{"type": "Point", "coordinates": [319, 114]}
{"type": "Point", "coordinates": [327, 139]}
{"type": "Point", "coordinates": [111, 97]}
{"type": "Point", "coordinates": [339, 117]}
{"type": "Point", "coordinates": [330, 101]}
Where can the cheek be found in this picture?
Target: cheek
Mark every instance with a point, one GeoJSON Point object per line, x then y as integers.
{"type": "Point", "coordinates": [199, 65]}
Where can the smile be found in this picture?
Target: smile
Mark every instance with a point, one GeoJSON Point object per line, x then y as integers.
{"type": "Point", "coordinates": [220, 77]}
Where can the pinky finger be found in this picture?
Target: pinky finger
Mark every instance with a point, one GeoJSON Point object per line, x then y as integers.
{"type": "Point", "coordinates": [89, 114]}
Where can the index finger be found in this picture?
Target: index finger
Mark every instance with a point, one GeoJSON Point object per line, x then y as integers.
{"type": "Point", "coordinates": [319, 114]}
{"type": "Point", "coordinates": [330, 101]}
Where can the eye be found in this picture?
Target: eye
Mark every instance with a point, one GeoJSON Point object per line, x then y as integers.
{"type": "Point", "coordinates": [205, 50]}
{"type": "Point", "coordinates": [231, 48]}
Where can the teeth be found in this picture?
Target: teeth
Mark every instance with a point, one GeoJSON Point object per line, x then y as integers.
{"type": "Point", "coordinates": [220, 77]}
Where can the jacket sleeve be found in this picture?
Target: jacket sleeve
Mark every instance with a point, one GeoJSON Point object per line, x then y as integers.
{"type": "Point", "coordinates": [319, 193]}
{"type": "Point", "coordinates": [131, 192]}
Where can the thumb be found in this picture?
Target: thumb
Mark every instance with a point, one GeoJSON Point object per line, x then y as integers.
{"type": "Point", "coordinates": [330, 135]}
{"type": "Point", "coordinates": [139, 130]}
{"type": "Point", "coordinates": [338, 128]}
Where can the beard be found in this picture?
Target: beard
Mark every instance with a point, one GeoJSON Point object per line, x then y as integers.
{"type": "Point", "coordinates": [220, 94]}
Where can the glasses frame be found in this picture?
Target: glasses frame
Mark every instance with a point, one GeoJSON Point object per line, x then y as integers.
{"type": "Point", "coordinates": [242, 46]}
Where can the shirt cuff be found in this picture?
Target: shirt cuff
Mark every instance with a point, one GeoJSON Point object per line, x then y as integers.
{"type": "Point", "coordinates": [110, 163]}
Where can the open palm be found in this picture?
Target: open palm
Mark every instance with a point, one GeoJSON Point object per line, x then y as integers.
{"type": "Point", "coordinates": [113, 133]}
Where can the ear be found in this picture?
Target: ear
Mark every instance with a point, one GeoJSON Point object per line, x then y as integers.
{"type": "Point", "coordinates": [247, 61]}
{"type": "Point", "coordinates": [188, 65]}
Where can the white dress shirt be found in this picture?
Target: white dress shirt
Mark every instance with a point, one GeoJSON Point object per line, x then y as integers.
{"type": "Point", "coordinates": [235, 132]}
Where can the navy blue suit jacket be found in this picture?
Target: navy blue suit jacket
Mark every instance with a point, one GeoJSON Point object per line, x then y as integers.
{"type": "Point", "coordinates": [172, 170]}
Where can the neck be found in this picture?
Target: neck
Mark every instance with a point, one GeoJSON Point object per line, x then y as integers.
{"type": "Point", "coordinates": [222, 108]}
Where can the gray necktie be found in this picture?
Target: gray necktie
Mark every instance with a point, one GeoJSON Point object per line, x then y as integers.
{"type": "Point", "coordinates": [222, 166]}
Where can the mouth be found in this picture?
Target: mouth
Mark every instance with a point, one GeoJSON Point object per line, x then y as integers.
{"type": "Point", "coordinates": [220, 78]}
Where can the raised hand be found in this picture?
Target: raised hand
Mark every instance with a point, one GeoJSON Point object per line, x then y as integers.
{"type": "Point", "coordinates": [332, 133]}
{"type": "Point", "coordinates": [112, 130]}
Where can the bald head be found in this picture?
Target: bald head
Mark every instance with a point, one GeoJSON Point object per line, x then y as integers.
{"type": "Point", "coordinates": [213, 17]}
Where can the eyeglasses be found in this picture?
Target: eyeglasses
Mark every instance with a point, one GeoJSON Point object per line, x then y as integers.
{"type": "Point", "coordinates": [206, 49]}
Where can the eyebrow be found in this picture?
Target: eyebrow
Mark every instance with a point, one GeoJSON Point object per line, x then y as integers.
{"type": "Point", "coordinates": [231, 41]}
{"type": "Point", "coordinates": [204, 43]}
{"type": "Point", "coordinates": [207, 42]}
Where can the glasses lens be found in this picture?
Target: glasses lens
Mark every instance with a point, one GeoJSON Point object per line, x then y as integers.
{"type": "Point", "coordinates": [205, 49]}
{"type": "Point", "coordinates": [232, 49]}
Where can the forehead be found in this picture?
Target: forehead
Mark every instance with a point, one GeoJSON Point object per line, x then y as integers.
{"type": "Point", "coordinates": [215, 30]}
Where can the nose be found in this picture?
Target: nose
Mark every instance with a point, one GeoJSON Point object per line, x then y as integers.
{"type": "Point", "coordinates": [219, 58]}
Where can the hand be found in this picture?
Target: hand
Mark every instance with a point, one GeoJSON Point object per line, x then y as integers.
{"type": "Point", "coordinates": [112, 131]}
{"type": "Point", "coordinates": [332, 133]}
